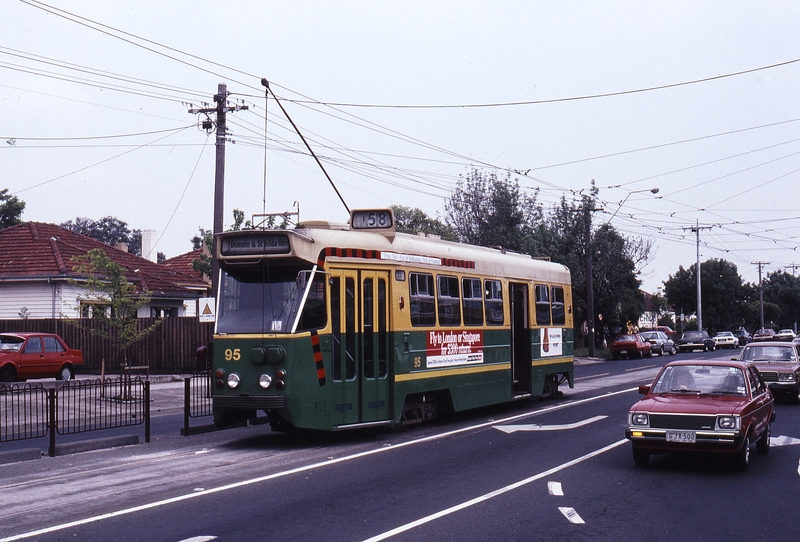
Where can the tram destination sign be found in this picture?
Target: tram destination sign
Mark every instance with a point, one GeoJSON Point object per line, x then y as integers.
{"type": "Point", "coordinates": [257, 243]}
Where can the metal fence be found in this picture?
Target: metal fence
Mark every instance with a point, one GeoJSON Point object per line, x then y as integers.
{"type": "Point", "coordinates": [76, 406]}
{"type": "Point", "coordinates": [196, 398]}
{"type": "Point", "coordinates": [23, 411]}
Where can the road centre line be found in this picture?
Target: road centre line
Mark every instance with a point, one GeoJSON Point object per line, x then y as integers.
{"type": "Point", "coordinates": [495, 493]}
{"type": "Point", "coordinates": [243, 483]}
{"type": "Point", "coordinates": [591, 376]}
{"type": "Point", "coordinates": [631, 369]}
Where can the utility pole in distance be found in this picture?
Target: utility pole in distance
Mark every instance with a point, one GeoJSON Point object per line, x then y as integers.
{"type": "Point", "coordinates": [697, 229]}
{"type": "Point", "coordinates": [760, 290]}
{"type": "Point", "coordinates": [589, 279]}
{"type": "Point", "coordinates": [221, 109]}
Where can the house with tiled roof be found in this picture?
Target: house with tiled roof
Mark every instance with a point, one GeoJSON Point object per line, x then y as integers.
{"type": "Point", "coordinates": [183, 263]}
{"type": "Point", "coordinates": [38, 279]}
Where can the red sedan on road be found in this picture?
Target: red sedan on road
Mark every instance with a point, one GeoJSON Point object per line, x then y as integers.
{"type": "Point", "coordinates": [702, 406]}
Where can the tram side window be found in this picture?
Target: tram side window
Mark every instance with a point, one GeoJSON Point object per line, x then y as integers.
{"type": "Point", "coordinates": [422, 304]}
{"type": "Point", "coordinates": [493, 294]}
{"type": "Point", "coordinates": [449, 301]}
{"type": "Point", "coordinates": [557, 299]}
{"type": "Point", "coordinates": [314, 315]}
{"type": "Point", "coordinates": [542, 305]}
{"type": "Point", "coordinates": [473, 304]}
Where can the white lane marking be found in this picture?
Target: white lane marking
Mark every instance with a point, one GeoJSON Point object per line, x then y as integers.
{"type": "Point", "coordinates": [783, 441]}
{"type": "Point", "coordinates": [199, 539]}
{"type": "Point", "coordinates": [592, 376]}
{"type": "Point", "coordinates": [554, 488]}
{"type": "Point", "coordinates": [540, 427]}
{"type": "Point", "coordinates": [570, 514]}
{"type": "Point", "coordinates": [490, 495]}
{"type": "Point", "coordinates": [313, 466]}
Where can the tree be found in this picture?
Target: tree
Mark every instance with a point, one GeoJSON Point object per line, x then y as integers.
{"type": "Point", "coordinates": [10, 209]}
{"type": "Point", "coordinates": [782, 290]}
{"type": "Point", "coordinates": [108, 230]}
{"type": "Point", "coordinates": [414, 221]}
{"type": "Point", "coordinates": [488, 211]}
{"type": "Point", "coordinates": [203, 262]}
{"type": "Point", "coordinates": [107, 287]}
{"type": "Point", "coordinates": [615, 259]}
{"type": "Point", "coordinates": [724, 295]}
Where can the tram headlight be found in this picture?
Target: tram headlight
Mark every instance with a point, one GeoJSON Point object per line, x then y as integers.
{"type": "Point", "coordinates": [233, 380]}
{"type": "Point", "coordinates": [265, 381]}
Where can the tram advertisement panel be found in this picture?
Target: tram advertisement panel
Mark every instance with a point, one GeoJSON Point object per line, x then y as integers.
{"type": "Point", "coordinates": [552, 344]}
{"type": "Point", "coordinates": [456, 347]}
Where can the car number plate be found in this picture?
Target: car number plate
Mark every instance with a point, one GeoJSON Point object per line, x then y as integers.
{"type": "Point", "coordinates": [681, 436]}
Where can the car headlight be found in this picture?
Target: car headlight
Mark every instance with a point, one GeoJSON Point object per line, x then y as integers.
{"type": "Point", "coordinates": [639, 418]}
{"type": "Point", "coordinates": [727, 422]}
{"type": "Point", "coordinates": [265, 381]}
{"type": "Point", "coordinates": [786, 377]}
{"type": "Point", "coordinates": [233, 380]}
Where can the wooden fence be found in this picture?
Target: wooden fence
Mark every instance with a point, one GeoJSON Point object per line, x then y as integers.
{"type": "Point", "coordinates": [170, 348]}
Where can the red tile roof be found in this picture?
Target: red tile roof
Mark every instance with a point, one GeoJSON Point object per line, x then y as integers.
{"type": "Point", "coordinates": [40, 250]}
{"type": "Point", "coordinates": [183, 264]}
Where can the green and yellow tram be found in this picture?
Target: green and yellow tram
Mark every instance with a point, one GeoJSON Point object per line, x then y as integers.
{"type": "Point", "coordinates": [334, 327]}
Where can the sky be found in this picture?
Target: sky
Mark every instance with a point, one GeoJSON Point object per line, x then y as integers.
{"type": "Point", "coordinates": [400, 100]}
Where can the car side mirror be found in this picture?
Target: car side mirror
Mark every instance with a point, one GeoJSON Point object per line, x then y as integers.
{"type": "Point", "coordinates": [644, 389]}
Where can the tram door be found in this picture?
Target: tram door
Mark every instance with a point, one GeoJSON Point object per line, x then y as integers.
{"type": "Point", "coordinates": [374, 352]}
{"type": "Point", "coordinates": [360, 346]}
{"type": "Point", "coordinates": [520, 339]}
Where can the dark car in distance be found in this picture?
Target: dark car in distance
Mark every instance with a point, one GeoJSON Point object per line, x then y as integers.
{"type": "Point", "coordinates": [695, 340]}
{"type": "Point", "coordinates": [37, 355]}
{"type": "Point", "coordinates": [702, 406]}
{"type": "Point", "coordinates": [764, 334]}
{"type": "Point", "coordinates": [743, 336]}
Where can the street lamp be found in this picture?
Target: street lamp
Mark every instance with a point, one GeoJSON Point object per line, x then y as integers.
{"type": "Point", "coordinates": [652, 190]}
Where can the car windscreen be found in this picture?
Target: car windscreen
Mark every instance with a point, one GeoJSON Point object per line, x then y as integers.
{"type": "Point", "coordinates": [708, 379]}
{"type": "Point", "coordinates": [771, 352]}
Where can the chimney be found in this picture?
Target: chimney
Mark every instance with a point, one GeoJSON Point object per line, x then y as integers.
{"type": "Point", "coordinates": [122, 246]}
{"type": "Point", "coordinates": [148, 245]}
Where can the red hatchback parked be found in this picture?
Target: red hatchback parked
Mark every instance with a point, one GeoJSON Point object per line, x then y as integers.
{"type": "Point", "coordinates": [36, 355]}
{"type": "Point", "coordinates": [631, 345]}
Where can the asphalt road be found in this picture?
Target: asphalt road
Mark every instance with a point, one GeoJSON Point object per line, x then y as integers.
{"type": "Point", "coordinates": [550, 470]}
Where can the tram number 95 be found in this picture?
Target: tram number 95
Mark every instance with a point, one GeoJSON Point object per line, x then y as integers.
{"type": "Point", "coordinates": [233, 354]}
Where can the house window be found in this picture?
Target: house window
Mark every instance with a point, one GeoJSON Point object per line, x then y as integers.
{"type": "Point", "coordinates": [94, 310]}
{"type": "Point", "coordinates": [163, 312]}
